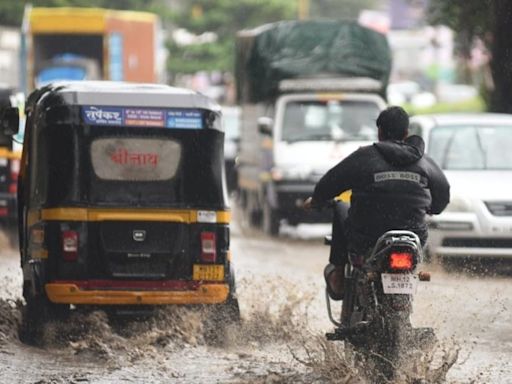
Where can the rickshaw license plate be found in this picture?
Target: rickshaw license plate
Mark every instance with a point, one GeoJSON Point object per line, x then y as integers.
{"type": "Point", "coordinates": [208, 272]}
{"type": "Point", "coordinates": [399, 284]}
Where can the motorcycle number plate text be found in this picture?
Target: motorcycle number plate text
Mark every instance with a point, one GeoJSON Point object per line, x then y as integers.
{"type": "Point", "coordinates": [399, 284]}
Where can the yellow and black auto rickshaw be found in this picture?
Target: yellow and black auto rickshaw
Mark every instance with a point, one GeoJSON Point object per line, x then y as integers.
{"type": "Point", "coordinates": [122, 200]}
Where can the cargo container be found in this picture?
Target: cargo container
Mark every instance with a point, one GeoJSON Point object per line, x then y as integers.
{"type": "Point", "coordinates": [88, 44]}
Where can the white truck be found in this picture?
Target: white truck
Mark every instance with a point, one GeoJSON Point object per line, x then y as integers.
{"type": "Point", "coordinates": [310, 93]}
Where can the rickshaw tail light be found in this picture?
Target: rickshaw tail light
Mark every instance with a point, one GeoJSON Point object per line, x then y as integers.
{"type": "Point", "coordinates": [208, 247]}
{"type": "Point", "coordinates": [70, 245]}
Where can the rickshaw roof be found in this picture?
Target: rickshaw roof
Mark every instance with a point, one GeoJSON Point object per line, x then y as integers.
{"type": "Point", "coordinates": [111, 93]}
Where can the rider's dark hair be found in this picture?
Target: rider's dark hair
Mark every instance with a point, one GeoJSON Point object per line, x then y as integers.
{"type": "Point", "coordinates": [393, 123]}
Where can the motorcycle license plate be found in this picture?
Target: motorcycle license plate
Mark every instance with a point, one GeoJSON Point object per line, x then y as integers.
{"type": "Point", "coordinates": [399, 284]}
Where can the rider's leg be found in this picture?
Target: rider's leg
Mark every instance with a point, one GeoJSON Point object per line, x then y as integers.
{"type": "Point", "coordinates": [338, 255]}
{"type": "Point", "coordinates": [335, 271]}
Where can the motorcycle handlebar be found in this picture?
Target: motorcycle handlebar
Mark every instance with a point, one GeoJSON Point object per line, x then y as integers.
{"type": "Point", "coordinates": [328, 204]}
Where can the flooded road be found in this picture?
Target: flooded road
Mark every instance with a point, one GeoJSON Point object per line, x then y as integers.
{"type": "Point", "coordinates": [280, 339]}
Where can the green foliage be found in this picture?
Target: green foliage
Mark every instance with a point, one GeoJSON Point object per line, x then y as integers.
{"type": "Point", "coordinates": [225, 18]}
{"type": "Point", "coordinates": [474, 105]}
{"type": "Point", "coordinates": [491, 21]}
{"type": "Point", "coordinates": [200, 57]}
{"type": "Point", "coordinates": [469, 18]}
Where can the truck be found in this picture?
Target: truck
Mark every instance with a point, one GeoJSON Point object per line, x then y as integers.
{"type": "Point", "coordinates": [310, 93]}
{"type": "Point", "coordinates": [72, 43]}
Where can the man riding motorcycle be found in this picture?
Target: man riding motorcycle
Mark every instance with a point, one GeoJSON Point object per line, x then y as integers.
{"type": "Point", "coordinates": [394, 185]}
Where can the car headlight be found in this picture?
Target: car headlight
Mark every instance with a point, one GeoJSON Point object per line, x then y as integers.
{"type": "Point", "coordinates": [459, 204]}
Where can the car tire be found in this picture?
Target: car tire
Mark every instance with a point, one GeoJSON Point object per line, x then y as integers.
{"type": "Point", "coordinates": [271, 220]}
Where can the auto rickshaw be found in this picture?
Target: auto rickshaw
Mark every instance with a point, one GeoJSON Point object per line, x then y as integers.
{"type": "Point", "coordinates": [122, 201]}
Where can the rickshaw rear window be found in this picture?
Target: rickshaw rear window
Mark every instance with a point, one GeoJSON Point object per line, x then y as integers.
{"type": "Point", "coordinates": [135, 159]}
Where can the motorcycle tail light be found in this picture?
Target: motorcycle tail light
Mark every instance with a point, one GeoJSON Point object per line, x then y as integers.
{"type": "Point", "coordinates": [401, 261]}
{"type": "Point", "coordinates": [70, 245]}
{"type": "Point", "coordinates": [208, 247]}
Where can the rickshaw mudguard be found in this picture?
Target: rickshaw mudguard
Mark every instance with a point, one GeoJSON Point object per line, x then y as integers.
{"type": "Point", "coordinates": [69, 293]}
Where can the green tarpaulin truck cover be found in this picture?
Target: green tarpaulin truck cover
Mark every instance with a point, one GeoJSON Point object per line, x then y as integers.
{"type": "Point", "coordinates": [307, 49]}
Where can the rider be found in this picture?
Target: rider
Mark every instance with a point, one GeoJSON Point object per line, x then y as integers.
{"type": "Point", "coordinates": [394, 185]}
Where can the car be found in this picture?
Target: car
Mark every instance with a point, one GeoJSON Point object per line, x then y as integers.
{"type": "Point", "coordinates": [231, 118]}
{"type": "Point", "coordinates": [474, 152]}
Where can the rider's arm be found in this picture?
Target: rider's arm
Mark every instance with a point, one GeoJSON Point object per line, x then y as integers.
{"type": "Point", "coordinates": [341, 178]}
{"type": "Point", "coordinates": [439, 189]}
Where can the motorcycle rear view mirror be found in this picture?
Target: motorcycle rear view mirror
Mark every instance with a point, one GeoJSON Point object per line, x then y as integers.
{"type": "Point", "coordinates": [10, 121]}
{"type": "Point", "coordinates": [265, 125]}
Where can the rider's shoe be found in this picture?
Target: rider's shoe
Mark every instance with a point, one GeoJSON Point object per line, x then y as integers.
{"type": "Point", "coordinates": [334, 278]}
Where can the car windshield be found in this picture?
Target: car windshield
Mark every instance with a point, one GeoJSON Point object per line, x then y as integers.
{"type": "Point", "coordinates": [466, 147]}
{"type": "Point", "coordinates": [330, 120]}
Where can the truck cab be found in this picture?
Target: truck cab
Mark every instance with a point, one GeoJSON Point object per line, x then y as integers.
{"type": "Point", "coordinates": [310, 92]}
{"type": "Point", "coordinates": [301, 136]}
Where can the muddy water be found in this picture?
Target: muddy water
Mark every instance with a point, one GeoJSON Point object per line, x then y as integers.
{"type": "Point", "coordinates": [280, 339]}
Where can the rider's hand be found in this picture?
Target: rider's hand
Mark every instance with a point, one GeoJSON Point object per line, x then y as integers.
{"type": "Point", "coordinates": [308, 204]}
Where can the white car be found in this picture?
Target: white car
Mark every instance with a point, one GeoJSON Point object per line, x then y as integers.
{"type": "Point", "coordinates": [231, 119]}
{"type": "Point", "coordinates": [475, 152]}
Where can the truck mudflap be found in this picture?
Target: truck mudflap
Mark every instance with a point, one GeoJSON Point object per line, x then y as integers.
{"type": "Point", "coordinates": [137, 293]}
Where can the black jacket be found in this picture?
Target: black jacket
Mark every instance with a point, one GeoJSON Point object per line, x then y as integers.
{"type": "Point", "coordinates": [394, 185]}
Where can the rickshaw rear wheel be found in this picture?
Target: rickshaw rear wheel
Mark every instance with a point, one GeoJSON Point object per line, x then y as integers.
{"type": "Point", "coordinates": [37, 312]}
{"type": "Point", "coordinates": [222, 321]}
{"type": "Point", "coordinates": [229, 312]}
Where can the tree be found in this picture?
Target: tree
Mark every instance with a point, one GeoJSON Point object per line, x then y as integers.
{"type": "Point", "coordinates": [225, 18]}
{"type": "Point", "coordinates": [491, 22]}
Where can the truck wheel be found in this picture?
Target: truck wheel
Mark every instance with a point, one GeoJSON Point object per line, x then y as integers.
{"type": "Point", "coordinates": [251, 213]}
{"type": "Point", "coordinates": [271, 220]}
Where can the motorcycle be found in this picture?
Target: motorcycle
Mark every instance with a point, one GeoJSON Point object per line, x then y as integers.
{"type": "Point", "coordinates": [377, 304]}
